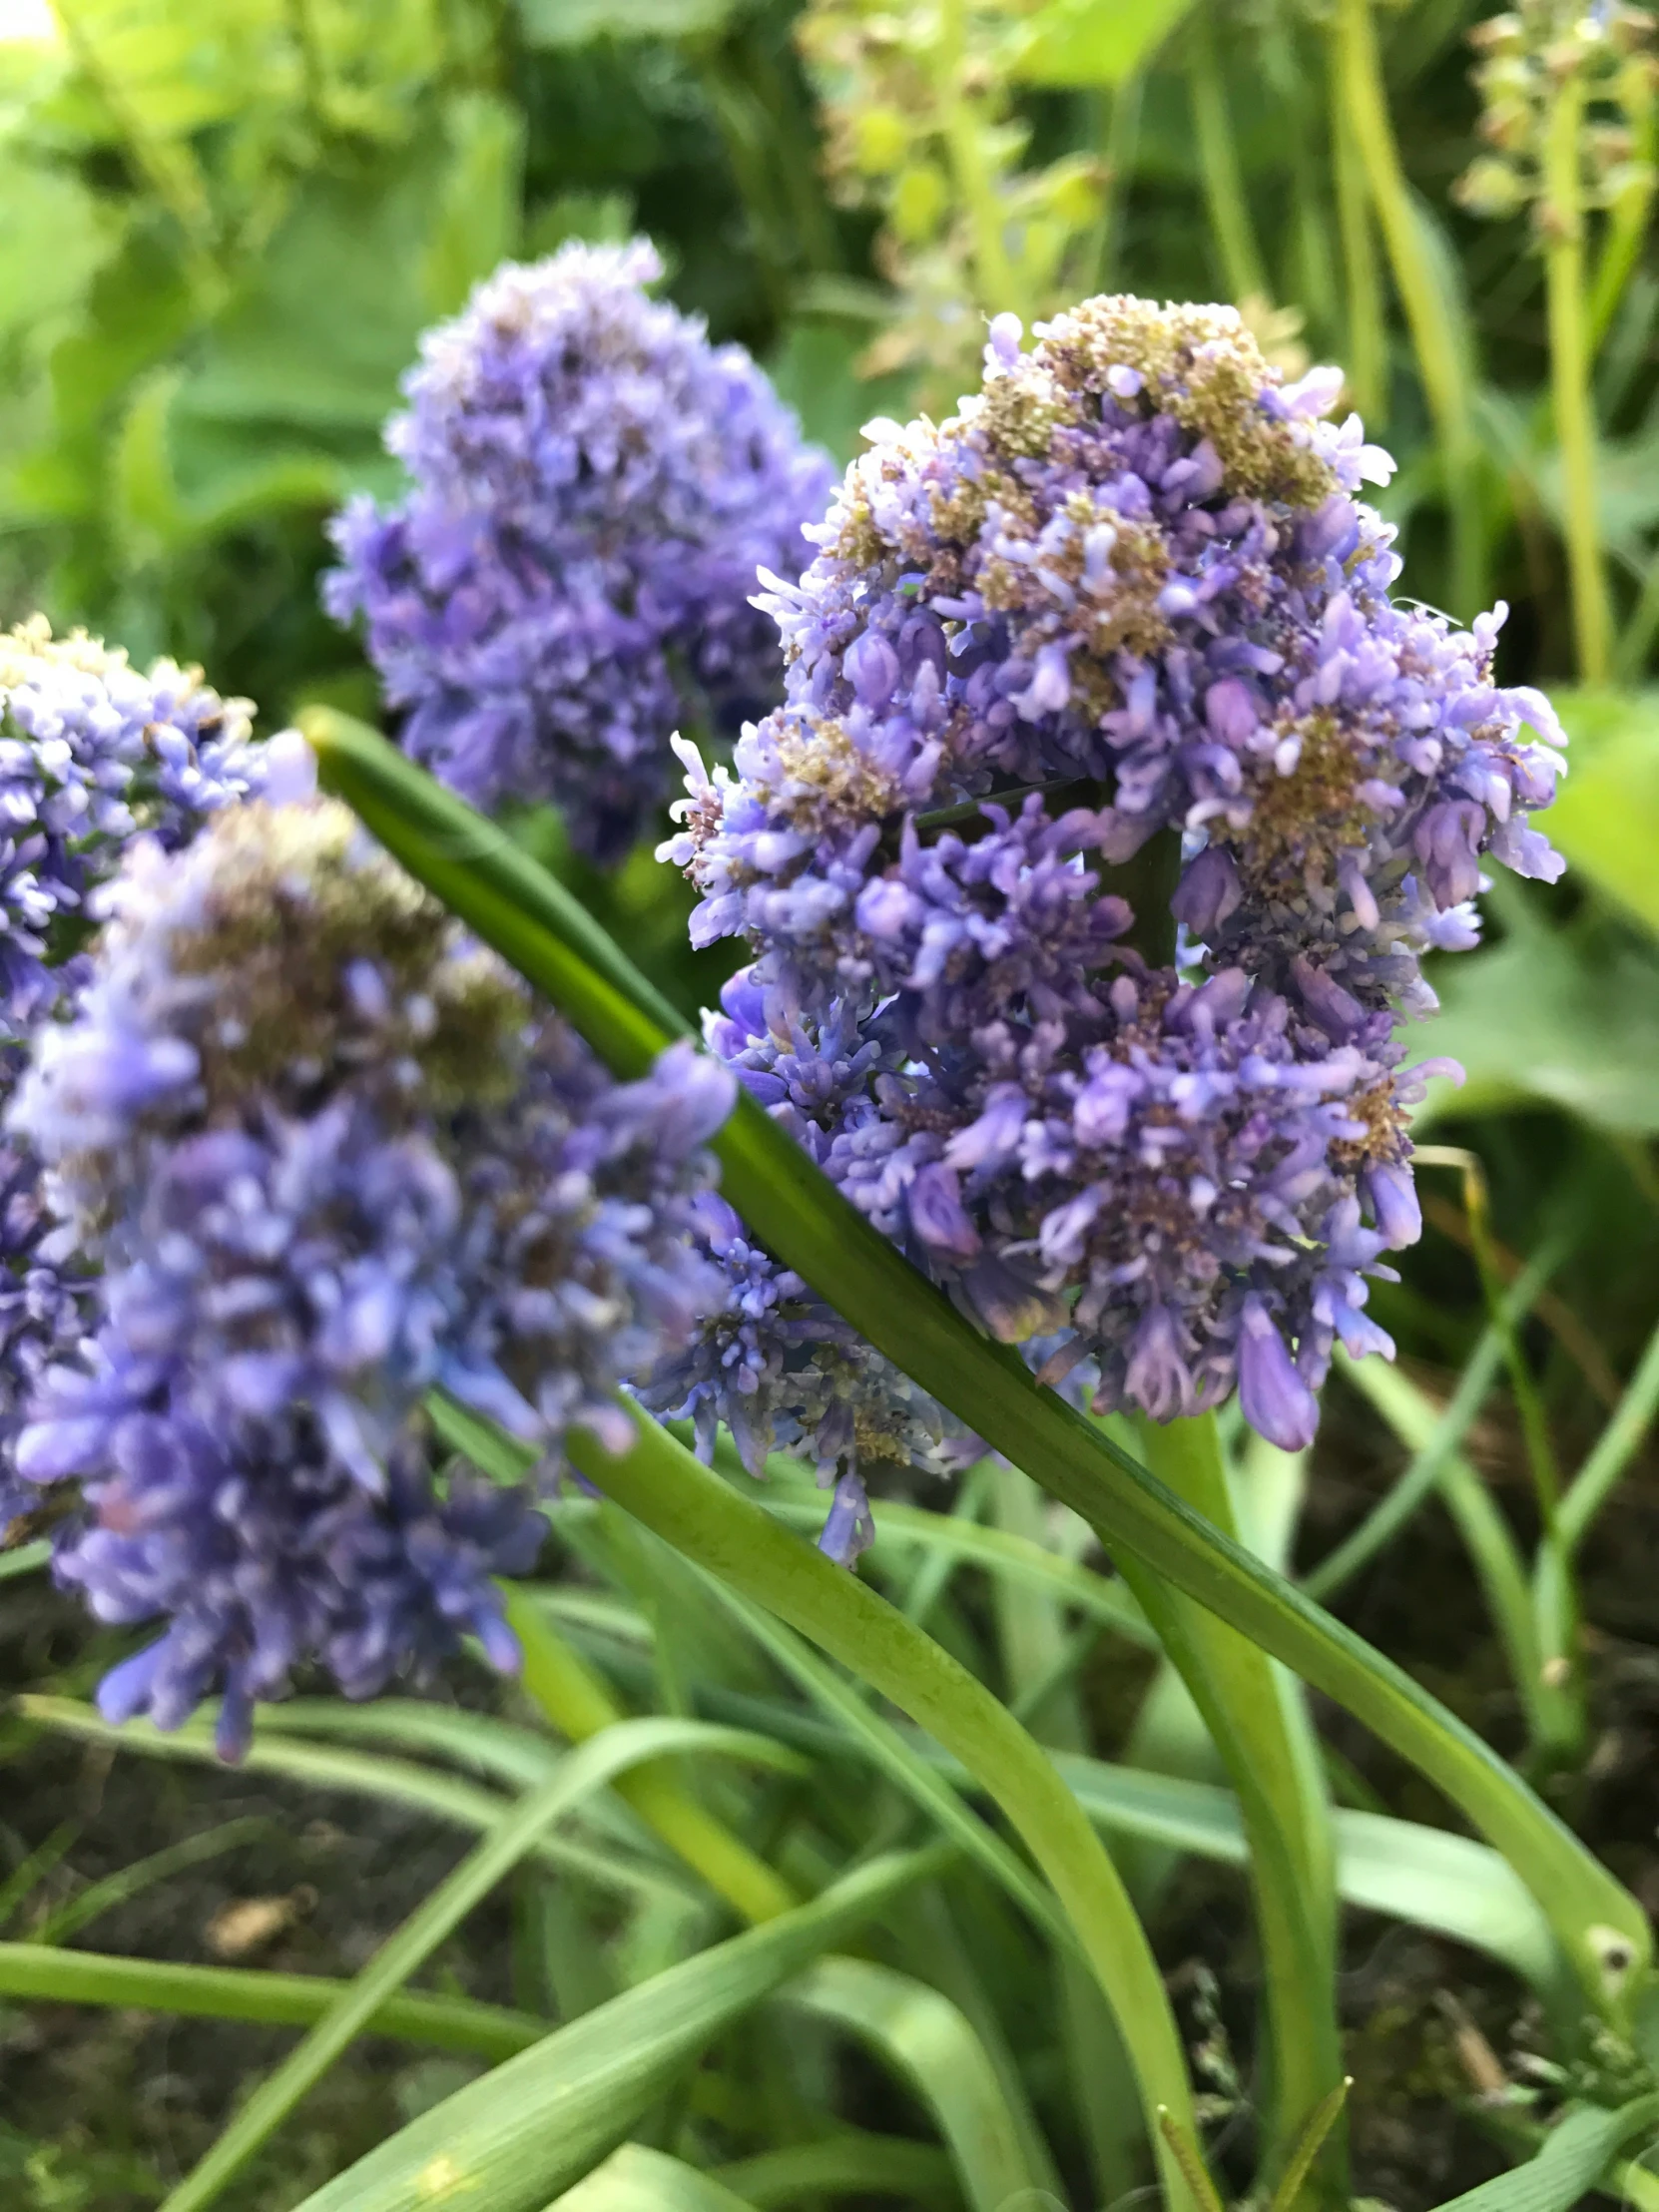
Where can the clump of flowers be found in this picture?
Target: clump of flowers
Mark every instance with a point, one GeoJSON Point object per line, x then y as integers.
{"type": "Point", "coordinates": [92, 752]}
{"type": "Point", "coordinates": [1114, 650]}
{"type": "Point", "coordinates": [329, 1158]}
{"type": "Point", "coordinates": [594, 488]}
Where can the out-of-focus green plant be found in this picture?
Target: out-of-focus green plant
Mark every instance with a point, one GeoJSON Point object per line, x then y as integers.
{"type": "Point", "coordinates": [1569, 115]}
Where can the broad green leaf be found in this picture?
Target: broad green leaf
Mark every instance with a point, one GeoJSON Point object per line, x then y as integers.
{"type": "Point", "coordinates": [815, 369]}
{"type": "Point", "coordinates": [925, 2039]}
{"type": "Point", "coordinates": [557, 23]}
{"type": "Point", "coordinates": [54, 238]}
{"type": "Point", "coordinates": [330, 314]}
{"type": "Point", "coordinates": [535, 924]}
{"type": "Point", "coordinates": [1570, 1017]}
{"type": "Point", "coordinates": [634, 2179]}
{"type": "Point", "coordinates": [1574, 2156]}
{"type": "Point", "coordinates": [1606, 814]}
{"type": "Point", "coordinates": [170, 67]}
{"type": "Point", "coordinates": [1082, 42]}
{"type": "Point", "coordinates": [480, 202]}
{"type": "Point", "coordinates": [47, 1976]}
{"type": "Point", "coordinates": [538, 2123]}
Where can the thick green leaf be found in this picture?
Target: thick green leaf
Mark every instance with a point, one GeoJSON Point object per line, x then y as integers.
{"type": "Point", "coordinates": [54, 238]}
{"type": "Point", "coordinates": [1606, 816]}
{"type": "Point", "coordinates": [535, 2125]}
{"type": "Point", "coordinates": [533, 923]}
{"type": "Point", "coordinates": [925, 2039]}
{"type": "Point", "coordinates": [1573, 2159]}
{"type": "Point", "coordinates": [1081, 42]}
{"type": "Point", "coordinates": [634, 2179]}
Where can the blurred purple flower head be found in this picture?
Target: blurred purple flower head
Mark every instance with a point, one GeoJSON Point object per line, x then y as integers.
{"type": "Point", "coordinates": [330, 1159]}
{"type": "Point", "coordinates": [595, 487]}
{"type": "Point", "coordinates": [1128, 594]}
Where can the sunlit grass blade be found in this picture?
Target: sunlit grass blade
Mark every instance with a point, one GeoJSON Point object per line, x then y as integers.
{"type": "Point", "coordinates": [609, 1754]}
{"type": "Point", "coordinates": [513, 2140]}
{"type": "Point", "coordinates": [925, 2039]}
{"type": "Point", "coordinates": [1416, 1483]}
{"type": "Point", "coordinates": [26, 1559]}
{"type": "Point", "coordinates": [50, 1976]}
{"type": "Point", "coordinates": [634, 2179]}
{"type": "Point", "coordinates": [814, 1229]}
{"type": "Point", "coordinates": [1574, 2157]}
{"type": "Point", "coordinates": [442, 1797]}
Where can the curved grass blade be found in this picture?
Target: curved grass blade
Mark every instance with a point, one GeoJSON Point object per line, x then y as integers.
{"type": "Point", "coordinates": [54, 1977]}
{"type": "Point", "coordinates": [533, 923]}
{"type": "Point", "coordinates": [611, 1753]}
{"type": "Point", "coordinates": [925, 2039]}
{"type": "Point", "coordinates": [1575, 2155]}
{"type": "Point", "coordinates": [160, 1866]}
{"type": "Point", "coordinates": [634, 2179]}
{"type": "Point", "coordinates": [362, 1774]}
{"type": "Point", "coordinates": [537, 2124]}
{"type": "Point", "coordinates": [852, 2164]}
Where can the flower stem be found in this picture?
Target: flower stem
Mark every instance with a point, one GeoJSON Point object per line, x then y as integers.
{"type": "Point", "coordinates": [997, 280]}
{"type": "Point", "coordinates": [1218, 161]}
{"type": "Point", "coordinates": [1561, 218]}
{"type": "Point", "coordinates": [1258, 1720]}
{"type": "Point", "coordinates": [579, 1706]}
{"type": "Point", "coordinates": [1440, 360]}
{"type": "Point", "coordinates": [662, 1485]}
{"type": "Point", "coordinates": [1367, 356]}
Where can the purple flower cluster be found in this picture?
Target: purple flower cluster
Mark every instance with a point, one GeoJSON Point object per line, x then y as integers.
{"type": "Point", "coordinates": [595, 489]}
{"type": "Point", "coordinates": [91, 754]}
{"type": "Point", "coordinates": [331, 1159]}
{"type": "Point", "coordinates": [1114, 650]}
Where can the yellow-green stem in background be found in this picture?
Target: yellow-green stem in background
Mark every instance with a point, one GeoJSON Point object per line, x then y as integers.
{"type": "Point", "coordinates": [1441, 362]}
{"type": "Point", "coordinates": [1218, 161]}
{"type": "Point", "coordinates": [1366, 361]}
{"type": "Point", "coordinates": [1562, 218]}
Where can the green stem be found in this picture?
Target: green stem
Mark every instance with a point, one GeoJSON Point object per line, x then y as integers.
{"type": "Point", "coordinates": [1218, 161]}
{"type": "Point", "coordinates": [1614, 1448]}
{"type": "Point", "coordinates": [662, 1485]}
{"type": "Point", "coordinates": [1367, 356]}
{"type": "Point", "coordinates": [997, 280]}
{"type": "Point", "coordinates": [1561, 218]}
{"type": "Point", "coordinates": [1627, 223]}
{"type": "Point", "coordinates": [1259, 1724]}
{"type": "Point", "coordinates": [529, 920]}
{"type": "Point", "coordinates": [580, 1707]}
{"type": "Point", "coordinates": [1439, 360]}
{"type": "Point", "coordinates": [52, 1976]}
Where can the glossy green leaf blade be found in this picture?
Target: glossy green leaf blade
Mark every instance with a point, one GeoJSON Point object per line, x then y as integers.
{"type": "Point", "coordinates": [1573, 2159]}
{"type": "Point", "coordinates": [848, 2164]}
{"type": "Point", "coordinates": [612, 1753]}
{"type": "Point", "coordinates": [814, 1229]}
{"type": "Point", "coordinates": [52, 1976]}
{"type": "Point", "coordinates": [538, 2123]}
{"type": "Point", "coordinates": [925, 2039]}
{"type": "Point", "coordinates": [1606, 813]}
{"type": "Point", "coordinates": [634, 2179]}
